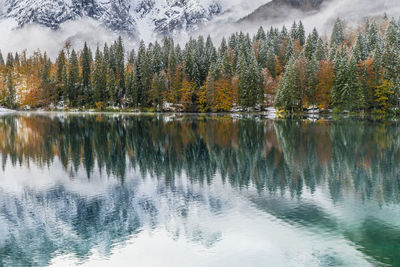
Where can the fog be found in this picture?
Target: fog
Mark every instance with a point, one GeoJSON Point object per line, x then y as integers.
{"type": "Point", "coordinates": [352, 12]}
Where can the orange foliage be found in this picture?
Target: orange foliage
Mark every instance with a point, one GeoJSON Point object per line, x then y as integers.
{"type": "Point", "coordinates": [325, 84]}
{"type": "Point", "coordinates": [186, 92]}
{"type": "Point", "coordinates": [224, 94]}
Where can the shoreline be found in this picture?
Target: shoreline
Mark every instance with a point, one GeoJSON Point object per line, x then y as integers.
{"type": "Point", "coordinates": [263, 114]}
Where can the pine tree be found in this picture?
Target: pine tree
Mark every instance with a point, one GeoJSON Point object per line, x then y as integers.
{"type": "Point", "coordinates": [10, 101]}
{"type": "Point", "coordinates": [286, 97]}
{"type": "Point", "coordinates": [312, 80]}
{"type": "Point", "coordinates": [64, 86]}
{"type": "Point", "coordinates": [130, 90]}
{"type": "Point", "coordinates": [86, 76]}
{"type": "Point", "coordinates": [392, 34]}
{"type": "Point", "coordinates": [355, 97]}
{"type": "Point", "coordinates": [138, 81]}
{"type": "Point", "coordinates": [227, 66]}
{"type": "Point", "coordinates": [261, 36]}
{"type": "Point", "coordinates": [309, 48]}
{"type": "Point", "coordinates": [373, 38]}
{"type": "Point", "coordinates": [337, 37]}
{"type": "Point", "coordinates": [320, 52]}
{"type": "Point", "coordinates": [112, 84]}
{"type": "Point", "coordinates": [390, 62]}
{"type": "Point", "coordinates": [289, 51]}
{"type": "Point", "coordinates": [262, 54]}
{"type": "Point", "coordinates": [1, 59]}
{"type": "Point", "coordinates": [158, 87]}
{"type": "Point", "coordinates": [301, 34]}
{"type": "Point", "coordinates": [120, 69]}
{"type": "Point", "coordinates": [10, 61]}
{"type": "Point", "coordinates": [340, 81]}
{"type": "Point", "coordinates": [99, 80]}
{"type": "Point", "coordinates": [360, 50]}
{"type": "Point", "coordinates": [61, 81]}
{"type": "Point", "coordinates": [74, 80]}
{"type": "Point", "coordinates": [45, 84]}
{"type": "Point", "coordinates": [293, 31]}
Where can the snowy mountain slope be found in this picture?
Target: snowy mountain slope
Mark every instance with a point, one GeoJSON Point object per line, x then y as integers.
{"type": "Point", "coordinates": [169, 16]}
{"type": "Point", "coordinates": [113, 14]}
{"type": "Point", "coordinates": [280, 9]}
{"type": "Point", "coordinates": [127, 16]}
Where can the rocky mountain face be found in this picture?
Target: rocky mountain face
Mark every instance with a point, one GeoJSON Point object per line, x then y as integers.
{"type": "Point", "coordinates": [113, 14]}
{"type": "Point", "coordinates": [127, 16]}
{"type": "Point", "coordinates": [167, 16]}
{"type": "Point", "coordinates": [278, 9]}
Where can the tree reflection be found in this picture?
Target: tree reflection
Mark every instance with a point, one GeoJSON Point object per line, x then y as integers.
{"type": "Point", "coordinates": [282, 157]}
{"type": "Point", "coordinates": [277, 156]}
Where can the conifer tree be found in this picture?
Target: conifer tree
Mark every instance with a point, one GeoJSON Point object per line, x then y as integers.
{"type": "Point", "coordinates": [74, 80]}
{"type": "Point", "coordinates": [320, 52]}
{"type": "Point", "coordinates": [1, 59]}
{"type": "Point", "coordinates": [337, 37]}
{"type": "Point", "coordinates": [99, 79]}
{"type": "Point", "coordinates": [61, 80]}
{"type": "Point", "coordinates": [286, 96]}
{"type": "Point", "coordinates": [10, 101]}
{"type": "Point", "coordinates": [86, 76]}
{"type": "Point", "coordinates": [120, 68]}
{"type": "Point", "coordinates": [301, 34]}
{"type": "Point", "coordinates": [360, 50]}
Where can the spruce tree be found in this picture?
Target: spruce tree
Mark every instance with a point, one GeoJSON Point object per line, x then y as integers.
{"type": "Point", "coordinates": [120, 69]}
{"type": "Point", "coordinates": [354, 97]}
{"type": "Point", "coordinates": [112, 92]}
{"type": "Point", "coordinates": [86, 76]}
{"type": "Point", "coordinates": [337, 37]}
{"type": "Point", "coordinates": [99, 79]}
{"type": "Point", "coordinates": [10, 101]}
{"type": "Point", "coordinates": [74, 80]}
{"type": "Point", "coordinates": [1, 59]}
{"type": "Point", "coordinates": [286, 96]}
{"type": "Point", "coordinates": [360, 50]}
{"type": "Point", "coordinates": [301, 34]}
{"type": "Point", "coordinates": [320, 52]}
{"type": "Point", "coordinates": [60, 74]}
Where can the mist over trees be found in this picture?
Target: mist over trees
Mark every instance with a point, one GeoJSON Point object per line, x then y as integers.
{"type": "Point", "coordinates": [353, 69]}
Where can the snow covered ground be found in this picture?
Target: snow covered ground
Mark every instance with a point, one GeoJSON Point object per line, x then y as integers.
{"type": "Point", "coordinates": [5, 110]}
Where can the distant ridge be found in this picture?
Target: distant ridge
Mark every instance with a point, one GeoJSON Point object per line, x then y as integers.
{"type": "Point", "coordinates": [276, 9]}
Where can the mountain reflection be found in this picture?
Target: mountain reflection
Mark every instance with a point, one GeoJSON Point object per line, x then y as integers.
{"type": "Point", "coordinates": [357, 156]}
{"type": "Point", "coordinates": [158, 170]}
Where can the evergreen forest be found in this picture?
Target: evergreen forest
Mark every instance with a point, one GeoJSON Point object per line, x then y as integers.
{"type": "Point", "coordinates": [354, 69]}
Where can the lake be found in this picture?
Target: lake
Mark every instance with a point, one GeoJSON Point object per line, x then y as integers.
{"type": "Point", "coordinates": [171, 190]}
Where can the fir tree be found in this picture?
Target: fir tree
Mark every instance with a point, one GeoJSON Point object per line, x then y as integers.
{"type": "Point", "coordinates": [286, 96]}
{"type": "Point", "coordinates": [301, 34]}
{"type": "Point", "coordinates": [10, 101]}
{"type": "Point", "coordinates": [86, 76]}
{"type": "Point", "coordinates": [1, 59]}
{"type": "Point", "coordinates": [99, 79]}
{"type": "Point", "coordinates": [74, 80]}
{"type": "Point", "coordinates": [337, 37]}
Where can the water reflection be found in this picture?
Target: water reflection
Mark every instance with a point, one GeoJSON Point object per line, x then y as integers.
{"type": "Point", "coordinates": [72, 183]}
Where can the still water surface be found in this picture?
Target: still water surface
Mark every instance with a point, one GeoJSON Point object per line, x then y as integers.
{"type": "Point", "coordinates": [106, 190]}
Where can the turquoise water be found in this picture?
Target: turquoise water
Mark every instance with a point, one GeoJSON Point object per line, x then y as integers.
{"type": "Point", "coordinates": [119, 190]}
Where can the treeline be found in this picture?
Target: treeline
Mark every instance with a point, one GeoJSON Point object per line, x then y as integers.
{"type": "Point", "coordinates": [355, 69]}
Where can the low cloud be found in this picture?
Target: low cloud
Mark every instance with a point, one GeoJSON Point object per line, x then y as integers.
{"type": "Point", "coordinates": [33, 36]}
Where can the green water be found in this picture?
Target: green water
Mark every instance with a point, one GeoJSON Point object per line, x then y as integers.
{"type": "Point", "coordinates": [120, 190]}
